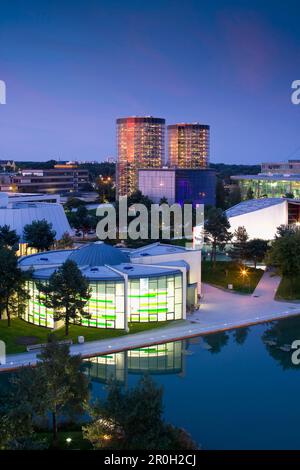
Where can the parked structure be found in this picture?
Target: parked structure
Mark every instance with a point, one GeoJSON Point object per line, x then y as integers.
{"type": "Point", "coordinates": [188, 145]}
{"type": "Point", "coordinates": [140, 144]}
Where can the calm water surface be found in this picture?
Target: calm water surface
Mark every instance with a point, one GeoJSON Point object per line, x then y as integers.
{"type": "Point", "coordinates": [233, 390]}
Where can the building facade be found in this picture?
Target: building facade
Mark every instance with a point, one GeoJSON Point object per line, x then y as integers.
{"type": "Point", "coordinates": [268, 185]}
{"type": "Point", "coordinates": [262, 217]}
{"type": "Point", "coordinates": [60, 179]}
{"type": "Point", "coordinates": [196, 186]}
{"type": "Point", "coordinates": [291, 167]}
{"type": "Point", "coordinates": [140, 144]}
{"type": "Point", "coordinates": [141, 286]}
{"type": "Point", "coordinates": [18, 212]}
{"type": "Point", "coordinates": [188, 145]}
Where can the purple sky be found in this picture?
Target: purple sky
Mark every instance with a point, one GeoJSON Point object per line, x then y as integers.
{"type": "Point", "coordinates": [72, 68]}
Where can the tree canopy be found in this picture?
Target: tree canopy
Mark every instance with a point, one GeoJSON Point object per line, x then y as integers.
{"type": "Point", "coordinates": [39, 235]}
{"type": "Point", "coordinates": [67, 293]}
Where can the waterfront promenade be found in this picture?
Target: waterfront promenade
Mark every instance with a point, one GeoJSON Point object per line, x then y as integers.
{"type": "Point", "coordinates": [220, 310]}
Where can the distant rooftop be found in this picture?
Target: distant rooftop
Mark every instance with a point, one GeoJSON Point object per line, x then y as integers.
{"type": "Point", "coordinates": [268, 177]}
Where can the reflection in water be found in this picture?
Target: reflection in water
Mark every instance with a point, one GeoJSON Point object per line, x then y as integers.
{"type": "Point", "coordinates": [240, 335]}
{"type": "Point", "coordinates": [216, 341]}
{"type": "Point", "coordinates": [278, 339]}
{"type": "Point", "coordinates": [165, 358]}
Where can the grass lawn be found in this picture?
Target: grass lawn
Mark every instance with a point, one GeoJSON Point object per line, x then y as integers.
{"type": "Point", "coordinates": [20, 328]}
{"type": "Point", "coordinates": [226, 272]}
{"type": "Point", "coordinates": [289, 289]}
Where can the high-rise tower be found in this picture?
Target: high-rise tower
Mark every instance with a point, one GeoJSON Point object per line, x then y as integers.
{"type": "Point", "coordinates": [141, 144]}
{"type": "Point", "coordinates": [188, 145]}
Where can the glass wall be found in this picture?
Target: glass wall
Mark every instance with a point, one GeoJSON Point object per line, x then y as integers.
{"type": "Point", "coordinates": [106, 306]}
{"type": "Point", "coordinates": [155, 299]}
{"type": "Point", "coordinates": [268, 188]}
{"type": "Point", "coordinates": [149, 300]}
{"type": "Point", "coordinates": [36, 312]}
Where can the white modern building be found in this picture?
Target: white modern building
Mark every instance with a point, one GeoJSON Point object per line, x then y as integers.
{"type": "Point", "coordinates": [17, 214]}
{"type": "Point", "coordinates": [153, 284]}
{"type": "Point", "coordinates": [262, 217]}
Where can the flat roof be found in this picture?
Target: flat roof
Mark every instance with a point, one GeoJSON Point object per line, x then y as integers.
{"type": "Point", "coordinates": [157, 249]}
{"type": "Point", "coordinates": [267, 177]}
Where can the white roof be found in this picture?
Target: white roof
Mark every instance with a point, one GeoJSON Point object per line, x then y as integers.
{"type": "Point", "coordinates": [18, 215]}
{"type": "Point", "coordinates": [256, 205]}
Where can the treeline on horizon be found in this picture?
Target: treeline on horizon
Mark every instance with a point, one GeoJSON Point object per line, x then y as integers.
{"type": "Point", "coordinates": [224, 170]}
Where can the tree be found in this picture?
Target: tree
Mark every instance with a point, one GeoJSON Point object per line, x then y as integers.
{"type": "Point", "coordinates": [285, 255]}
{"type": "Point", "coordinates": [65, 242]}
{"type": "Point", "coordinates": [19, 405]}
{"type": "Point", "coordinates": [137, 197]}
{"type": "Point", "coordinates": [67, 293]}
{"type": "Point", "coordinates": [13, 293]}
{"type": "Point", "coordinates": [8, 237]}
{"type": "Point", "coordinates": [106, 188]}
{"type": "Point", "coordinates": [133, 419]}
{"type": "Point", "coordinates": [82, 220]}
{"type": "Point", "coordinates": [283, 230]}
{"type": "Point", "coordinates": [74, 203]}
{"type": "Point", "coordinates": [220, 194]}
{"type": "Point", "coordinates": [39, 235]}
{"type": "Point", "coordinates": [256, 250]}
{"type": "Point", "coordinates": [239, 245]}
{"type": "Point", "coordinates": [163, 200]}
{"type": "Point", "coordinates": [66, 389]}
{"type": "Point", "coordinates": [56, 386]}
{"type": "Point", "coordinates": [234, 196]}
{"type": "Point", "coordinates": [250, 193]}
{"type": "Point", "coordinates": [217, 231]}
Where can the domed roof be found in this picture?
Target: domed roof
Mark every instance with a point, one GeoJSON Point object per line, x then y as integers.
{"type": "Point", "coordinates": [98, 254]}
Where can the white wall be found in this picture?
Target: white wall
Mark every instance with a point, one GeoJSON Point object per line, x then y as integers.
{"type": "Point", "coordinates": [262, 223]}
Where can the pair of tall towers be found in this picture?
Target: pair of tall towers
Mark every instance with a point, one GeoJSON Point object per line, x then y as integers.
{"type": "Point", "coordinates": [141, 144]}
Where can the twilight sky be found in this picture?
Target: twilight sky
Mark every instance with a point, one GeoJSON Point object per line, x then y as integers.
{"type": "Point", "coordinates": [72, 67]}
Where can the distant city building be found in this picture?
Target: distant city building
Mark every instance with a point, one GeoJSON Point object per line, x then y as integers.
{"type": "Point", "coordinates": [197, 186]}
{"type": "Point", "coordinates": [32, 197]}
{"type": "Point", "coordinates": [262, 217]}
{"type": "Point", "coordinates": [268, 185]}
{"type": "Point", "coordinates": [7, 165]}
{"type": "Point", "coordinates": [188, 145]}
{"type": "Point", "coordinates": [140, 144]}
{"type": "Point", "coordinates": [282, 168]}
{"type": "Point", "coordinates": [16, 214]}
{"type": "Point", "coordinates": [62, 178]}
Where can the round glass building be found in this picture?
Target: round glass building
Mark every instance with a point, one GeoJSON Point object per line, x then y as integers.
{"type": "Point", "coordinates": [123, 288]}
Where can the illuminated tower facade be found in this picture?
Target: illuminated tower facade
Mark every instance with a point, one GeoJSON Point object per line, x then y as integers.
{"type": "Point", "coordinates": [188, 146]}
{"type": "Point", "coordinates": [141, 144]}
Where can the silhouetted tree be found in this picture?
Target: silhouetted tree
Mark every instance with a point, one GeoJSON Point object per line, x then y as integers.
{"type": "Point", "coordinates": [67, 293]}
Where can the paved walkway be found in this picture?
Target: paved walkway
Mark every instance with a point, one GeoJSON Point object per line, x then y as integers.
{"type": "Point", "coordinates": [220, 310]}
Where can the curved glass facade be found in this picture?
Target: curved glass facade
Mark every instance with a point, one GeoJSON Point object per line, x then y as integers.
{"type": "Point", "coordinates": [155, 299]}
{"type": "Point", "coordinates": [150, 299]}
